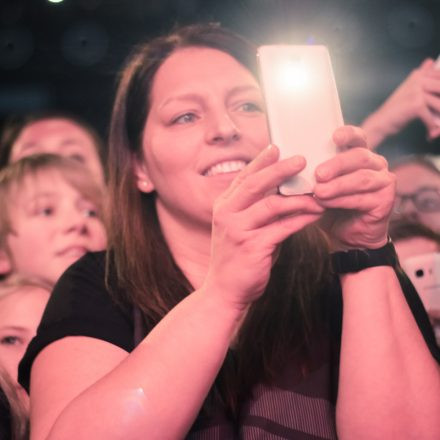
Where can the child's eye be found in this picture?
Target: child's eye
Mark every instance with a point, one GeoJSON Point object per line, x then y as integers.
{"type": "Point", "coordinates": [10, 340]}
{"type": "Point", "coordinates": [184, 119]}
{"type": "Point", "coordinates": [90, 212]}
{"type": "Point", "coordinates": [46, 211]}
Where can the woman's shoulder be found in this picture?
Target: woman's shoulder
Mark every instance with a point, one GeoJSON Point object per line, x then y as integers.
{"type": "Point", "coordinates": [81, 305]}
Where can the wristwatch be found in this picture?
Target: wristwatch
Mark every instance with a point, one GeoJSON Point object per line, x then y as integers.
{"type": "Point", "coordinates": [355, 260]}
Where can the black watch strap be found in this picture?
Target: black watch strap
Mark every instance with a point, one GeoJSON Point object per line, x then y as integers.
{"type": "Point", "coordinates": [355, 260]}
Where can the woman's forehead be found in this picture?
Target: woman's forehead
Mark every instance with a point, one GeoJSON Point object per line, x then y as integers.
{"type": "Point", "coordinates": [193, 67]}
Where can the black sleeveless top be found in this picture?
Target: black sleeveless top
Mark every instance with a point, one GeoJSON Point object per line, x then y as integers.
{"type": "Point", "coordinates": [293, 407]}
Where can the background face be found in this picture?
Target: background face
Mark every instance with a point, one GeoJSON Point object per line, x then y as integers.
{"type": "Point", "coordinates": [53, 226]}
{"type": "Point", "coordinates": [409, 179]}
{"type": "Point", "coordinates": [66, 55]}
{"type": "Point", "coordinates": [58, 136]}
{"type": "Point", "coordinates": [20, 314]}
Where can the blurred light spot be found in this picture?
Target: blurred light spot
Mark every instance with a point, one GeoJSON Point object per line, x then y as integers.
{"type": "Point", "coordinates": [85, 44]}
{"type": "Point", "coordinates": [16, 47]}
{"type": "Point", "coordinates": [341, 31]}
{"type": "Point", "coordinates": [411, 25]}
{"type": "Point", "coordinates": [55, 1]}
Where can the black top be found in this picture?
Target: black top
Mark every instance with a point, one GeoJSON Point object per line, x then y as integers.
{"type": "Point", "coordinates": [295, 407]}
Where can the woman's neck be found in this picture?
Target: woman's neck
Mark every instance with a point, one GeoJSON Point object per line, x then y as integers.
{"type": "Point", "coordinates": [189, 243]}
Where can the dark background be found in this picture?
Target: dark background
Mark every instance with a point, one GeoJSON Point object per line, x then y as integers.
{"type": "Point", "coordinates": [67, 55]}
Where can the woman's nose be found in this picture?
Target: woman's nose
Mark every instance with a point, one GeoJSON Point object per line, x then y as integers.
{"type": "Point", "coordinates": [222, 130]}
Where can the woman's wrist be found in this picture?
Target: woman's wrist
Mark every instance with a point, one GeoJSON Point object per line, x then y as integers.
{"type": "Point", "coordinates": [355, 260]}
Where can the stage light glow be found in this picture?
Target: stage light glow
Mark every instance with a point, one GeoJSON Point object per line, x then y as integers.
{"type": "Point", "coordinates": [55, 1]}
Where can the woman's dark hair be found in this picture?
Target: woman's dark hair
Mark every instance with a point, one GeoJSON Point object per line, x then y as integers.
{"type": "Point", "coordinates": [280, 323]}
{"type": "Point", "coordinates": [15, 124]}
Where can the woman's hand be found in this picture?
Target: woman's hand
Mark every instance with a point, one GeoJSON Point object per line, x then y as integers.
{"type": "Point", "coordinates": [250, 220]}
{"type": "Point", "coordinates": [417, 97]}
{"type": "Point", "coordinates": [357, 190]}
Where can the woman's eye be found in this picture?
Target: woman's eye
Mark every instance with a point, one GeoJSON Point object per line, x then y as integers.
{"type": "Point", "coordinates": [184, 119]}
{"type": "Point", "coordinates": [251, 107]}
{"type": "Point", "coordinates": [10, 340]}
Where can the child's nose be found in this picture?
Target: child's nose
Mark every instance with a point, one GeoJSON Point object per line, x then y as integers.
{"type": "Point", "coordinates": [77, 222]}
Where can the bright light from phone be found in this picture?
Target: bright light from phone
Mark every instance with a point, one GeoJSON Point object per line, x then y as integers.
{"type": "Point", "coordinates": [293, 75]}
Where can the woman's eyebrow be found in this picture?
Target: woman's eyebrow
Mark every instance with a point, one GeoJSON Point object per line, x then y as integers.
{"type": "Point", "coordinates": [198, 98]}
{"type": "Point", "coordinates": [243, 89]}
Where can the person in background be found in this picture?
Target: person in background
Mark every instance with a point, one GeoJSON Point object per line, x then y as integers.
{"type": "Point", "coordinates": [52, 132]}
{"type": "Point", "coordinates": [417, 190]}
{"type": "Point", "coordinates": [412, 238]}
{"type": "Point", "coordinates": [50, 215]}
{"type": "Point", "coordinates": [418, 248]}
{"type": "Point", "coordinates": [22, 302]}
{"type": "Point", "coordinates": [14, 418]}
{"type": "Point", "coordinates": [223, 309]}
{"type": "Point", "coordinates": [417, 97]}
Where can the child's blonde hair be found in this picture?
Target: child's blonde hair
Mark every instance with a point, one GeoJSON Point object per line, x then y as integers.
{"type": "Point", "coordinates": [75, 174]}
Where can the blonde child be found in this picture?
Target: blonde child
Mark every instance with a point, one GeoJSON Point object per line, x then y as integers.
{"type": "Point", "coordinates": [50, 216]}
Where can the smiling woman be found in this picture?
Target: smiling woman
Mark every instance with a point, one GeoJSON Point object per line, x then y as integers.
{"type": "Point", "coordinates": [219, 311]}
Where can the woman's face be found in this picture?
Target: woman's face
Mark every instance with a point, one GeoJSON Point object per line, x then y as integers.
{"type": "Point", "coordinates": [206, 123]}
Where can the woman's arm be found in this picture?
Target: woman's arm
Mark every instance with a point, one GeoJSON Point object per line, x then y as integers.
{"type": "Point", "coordinates": [389, 383]}
{"type": "Point", "coordinates": [85, 389]}
{"type": "Point", "coordinates": [88, 388]}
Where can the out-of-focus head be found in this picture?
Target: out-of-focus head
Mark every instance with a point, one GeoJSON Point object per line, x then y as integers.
{"type": "Point", "coordinates": [56, 133]}
{"type": "Point", "coordinates": [22, 302]}
{"type": "Point", "coordinates": [50, 215]}
{"type": "Point", "coordinates": [418, 191]}
{"type": "Point", "coordinates": [412, 238]}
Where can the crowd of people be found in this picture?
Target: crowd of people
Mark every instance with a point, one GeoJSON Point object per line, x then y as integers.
{"type": "Point", "coordinates": [157, 285]}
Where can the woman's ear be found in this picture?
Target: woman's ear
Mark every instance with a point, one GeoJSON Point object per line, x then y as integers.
{"type": "Point", "coordinates": [5, 263]}
{"type": "Point", "coordinates": [143, 180]}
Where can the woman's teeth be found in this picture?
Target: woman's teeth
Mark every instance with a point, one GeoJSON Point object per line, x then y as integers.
{"type": "Point", "coordinates": [226, 167]}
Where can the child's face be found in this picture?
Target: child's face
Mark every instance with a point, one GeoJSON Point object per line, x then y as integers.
{"type": "Point", "coordinates": [20, 314]}
{"type": "Point", "coordinates": [53, 226]}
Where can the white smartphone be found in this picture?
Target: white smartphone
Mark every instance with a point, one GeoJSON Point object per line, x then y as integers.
{"type": "Point", "coordinates": [424, 272]}
{"type": "Point", "coordinates": [302, 106]}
